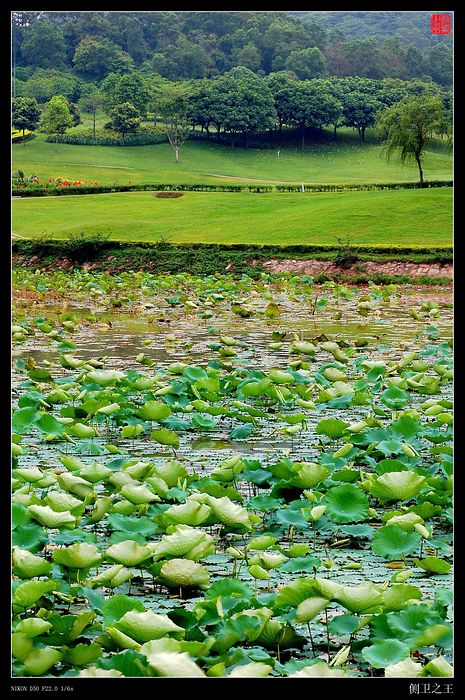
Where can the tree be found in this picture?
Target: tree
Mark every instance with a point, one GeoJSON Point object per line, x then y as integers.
{"type": "Point", "coordinates": [75, 113]}
{"type": "Point", "coordinates": [282, 85]}
{"type": "Point", "coordinates": [439, 64]}
{"type": "Point", "coordinates": [307, 63]}
{"type": "Point", "coordinates": [173, 107]}
{"type": "Point", "coordinates": [44, 83]}
{"type": "Point", "coordinates": [91, 103]}
{"type": "Point", "coordinates": [124, 119]}
{"type": "Point", "coordinates": [25, 114]}
{"type": "Point", "coordinates": [94, 58]}
{"type": "Point", "coordinates": [56, 117]}
{"type": "Point", "coordinates": [407, 128]}
{"type": "Point", "coordinates": [359, 111]}
{"type": "Point", "coordinates": [126, 87]}
{"type": "Point", "coordinates": [44, 44]}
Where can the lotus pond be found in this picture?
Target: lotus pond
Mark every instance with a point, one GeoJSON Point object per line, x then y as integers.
{"type": "Point", "coordinates": [230, 477]}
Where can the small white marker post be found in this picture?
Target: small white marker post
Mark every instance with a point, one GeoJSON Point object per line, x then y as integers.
{"type": "Point", "coordinates": [278, 152]}
{"type": "Point", "coordinates": [302, 187]}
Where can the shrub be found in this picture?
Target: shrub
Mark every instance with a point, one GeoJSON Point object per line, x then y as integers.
{"type": "Point", "coordinates": [146, 136]}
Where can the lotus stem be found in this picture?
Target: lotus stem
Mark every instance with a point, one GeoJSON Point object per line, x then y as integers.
{"type": "Point", "coordinates": [311, 638]}
{"type": "Point", "coordinates": [278, 653]}
{"type": "Point", "coordinates": [327, 633]}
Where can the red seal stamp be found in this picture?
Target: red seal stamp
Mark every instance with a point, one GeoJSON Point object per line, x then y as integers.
{"type": "Point", "coordinates": [440, 24]}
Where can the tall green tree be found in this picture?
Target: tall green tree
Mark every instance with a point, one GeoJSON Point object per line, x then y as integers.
{"type": "Point", "coordinates": [124, 119]}
{"type": "Point", "coordinates": [359, 111]}
{"type": "Point", "coordinates": [91, 103]}
{"type": "Point", "coordinates": [25, 114]}
{"type": "Point", "coordinates": [95, 58]}
{"type": "Point", "coordinates": [408, 126]}
{"type": "Point", "coordinates": [126, 87]}
{"type": "Point", "coordinates": [307, 63]}
{"type": "Point", "coordinates": [43, 44]}
{"type": "Point", "coordinates": [173, 107]}
{"type": "Point", "coordinates": [56, 117]}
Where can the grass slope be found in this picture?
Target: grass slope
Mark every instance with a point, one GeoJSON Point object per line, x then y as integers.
{"type": "Point", "coordinates": [401, 217]}
{"type": "Point", "coordinates": [328, 162]}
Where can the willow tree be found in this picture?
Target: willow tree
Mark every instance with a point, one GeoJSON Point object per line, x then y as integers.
{"type": "Point", "coordinates": [408, 126]}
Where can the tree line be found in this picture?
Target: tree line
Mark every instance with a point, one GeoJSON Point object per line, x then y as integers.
{"type": "Point", "coordinates": [194, 45]}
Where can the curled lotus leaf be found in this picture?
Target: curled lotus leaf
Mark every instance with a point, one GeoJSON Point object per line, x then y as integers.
{"type": "Point", "coordinates": [174, 665]}
{"type": "Point", "coordinates": [397, 486]}
{"type": "Point", "coordinates": [170, 472]}
{"type": "Point", "coordinates": [41, 660]}
{"type": "Point", "coordinates": [309, 608]}
{"type": "Point", "coordinates": [144, 626]}
{"type": "Point", "coordinates": [112, 577]}
{"type": "Point", "coordinates": [188, 513]}
{"type": "Point", "coordinates": [28, 565]}
{"type": "Point", "coordinates": [255, 669]}
{"type": "Point", "coordinates": [184, 573]}
{"type": "Point", "coordinates": [225, 511]}
{"type": "Point", "coordinates": [94, 672]}
{"type": "Point", "coordinates": [309, 474]}
{"type": "Point", "coordinates": [319, 670]}
{"type": "Point", "coordinates": [33, 627]}
{"type": "Point", "coordinates": [128, 552]}
{"type": "Point", "coordinates": [184, 541]}
{"type": "Point", "coordinates": [138, 495]}
{"type": "Point", "coordinates": [50, 518]}
{"type": "Point", "coordinates": [80, 555]}
{"type": "Point", "coordinates": [407, 668]}
{"type": "Point", "coordinates": [106, 377]}
{"type": "Point", "coordinates": [366, 598]}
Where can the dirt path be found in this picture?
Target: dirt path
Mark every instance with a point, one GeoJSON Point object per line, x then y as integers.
{"type": "Point", "coordinates": [394, 267]}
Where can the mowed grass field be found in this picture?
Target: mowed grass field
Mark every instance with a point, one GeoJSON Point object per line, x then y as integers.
{"type": "Point", "coordinates": [205, 162]}
{"type": "Point", "coordinates": [399, 217]}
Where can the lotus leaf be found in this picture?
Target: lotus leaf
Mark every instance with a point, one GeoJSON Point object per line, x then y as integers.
{"type": "Point", "coordinates": [399, 595]}
{"type": "Point", "coordinates": [170, 472]}
{"type": "Point", "coordinates": [407, 521]}
{"type": "Point", "coordinates": [50, 518]}
{"type": "Point", "coordinates": [332, 427]}
{"type": "Point", "coordinates": [346, 503]}
{"type": "Point", "coordinates": [128, 552]}
{"type": "Point", "coordinates": [326, 588]}
{"type": "Point", "coordinates": [188, 513]}
{"type": "Point", "coordinates": [404, 669]}
{"type": "Point", "coordinates": [138, 495]}
{"type": "Point", "coordinates": [226, 511]}
{"type": "Point", "coordinates": [268, 560]}
{"type": "Point", "coordinates": [439, 668]}
{"type": "Point", "coordinates": [27, 565]}
{"type": "Point", "coordinates": [108, 377]}
{"type": "Point", "coordinates": [33, 627]}
{"type": "Point", "coordinates": [309, 474]}
{"type": "Point", "coordinates": [74, 484]}
{"type": "Point", "coordinates": [174, 665]}
{"type": "Point", "coordinates": [95, 472]}
{"type": "Point", "coordinates": [29, 592]}
{"type": "Point", "coordinates": [387, 653]}
{"type": "Point", "coordinates": [184, 573]}
{"type": "Point", "coordinates": [42, 660]}
{"type": "Point", "coordinates": [165, 437]}
{"type": "Point", "coordinates": [93, 672]}
{"type": "Point", "coordinates": [112, 577]}
{"type": "Point", "coordinates": [366, 598]}
{"type": "Point", "coordinates": [391, 542]}
{"type": "Point", "coordinates": [154, 410]}
{"type": "Point", "coordinates": [251, 670]}
{"type": "Point", "coordinates": [123, 641]}
{"type": "Point", "coordinates": [433, 564]}
{"type": "Point", "coordinates": [228, 469]}
{"type": "Point", "coordinates": [319, 670]}
{"type": "Point", "coordinates": [394, 486]}
{"type": "Point", "coordinates": [186, 542]}
{"type": "Point", "coordinates": [78, 556]}
{"type": "Point", "coordinates": [62, 502]}
{"type": "Point", "coordinates": [82, 654]}
{"type": "Point", "coordinates": [309, 608]}
{"type": "Point", "coordinates": [144, 626]}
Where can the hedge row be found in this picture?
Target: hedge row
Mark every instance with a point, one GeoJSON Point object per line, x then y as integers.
{"type": "Point", "coordinates": [40, 191]}
{"type": "Point", "coordinates": [18, 137]}
{"type": "Point", "coordinates": [146, 136]}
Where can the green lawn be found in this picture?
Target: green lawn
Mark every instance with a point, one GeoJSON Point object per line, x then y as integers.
{"type": "Point", "coordinates": [404, 217]}
{"type": "Point", "coordinates": [344, 162]}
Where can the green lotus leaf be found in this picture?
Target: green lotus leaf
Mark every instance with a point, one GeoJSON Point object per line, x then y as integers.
{"type": "Point", "coordinates": [33, 627]}
{"type": "Point", "coordinates": [186, 542]}
{"type": "Point", "coordinates": [319, 670]}
{"type": "Point", "coordinates": [50, 518]}
{"type": "Point", "coordinates": [112, 577]}
{"type": "Point", "coordinates": [106, 377]}
{"type": "Point", "coordinates": [165, 437]}
{"type": "Point", "coordinates": [82, 431]}
{"type": "Point", "coordinates": [225, 511]}
{"type": "Point", "coordinates": [404, 669]}
{"type": "Point", "coordinates": [78, 556]}
{"type": "Point", "coordinates": [154, 410]}
{"type": "Point", "coordinates": [115, 607]}
{"type": "Point", "coordinates": [387, 653]}
{"type": "Point", "coordinates": [262, 542]}
{"type": "Point", "coordinates": [95, 472]}
{"type": "Point", "coordinates": [21, 645]}
{"type": "Point", "coordinates": [326, 588]}
{"type": "Point", "coordinates": [399, 595]}
{"type": "Point", "coordinates": [174, 665]}
{"type": "Point", "coordinates": [255, 669]}
{"type": "Point", "coordinates": [156, 646]}
{"type": "Point", "coordinates": [433, 564]}
{"type": "Point", "coordinates": [294, 593]}
{"type": "Point", "coordinates": [346, 503]}
{"type": "Point", "coordinates": [93, 672]}
{"type": "Point", "coordinates": [308, 609]}
{"type": "Point", "coordinates": [42, 660]}
{"type": "Point", "coordinates": [366, 598]}
{"type": "Point", "coordinates": [407, 521]}
{"type": "Point", "coordinates": [108, 409]}
{"type": "Point", "coordinates": [332, 427]}
{"type": "Point", "coordinates": [258, 572]}
{"type": "Point", "coordinates": [138, 471]}
{"type": "Point", "coordinates": [397, 486]}
{"type": "Point", "coordinates": [439, 668]}
{"type": "Point", "coordinates": [302, 347]}
{"type": "Point", "coordinates": [101, 507]}
{"type": "Point", "coordinates": [228, 469]}
{"type": "Point", "coordinates": [273, 632]}
{"type": "Point", "coordinates": [188, 513]}
{"type": "Point", "coordinates": [144, 626]}
{"type": "Point", "coordinates": [391, 542]}
{"type": "Point", "coordinates": [309, 474]}
{"type": "Point", "coordinates": [268, 560]}
{"type": "Point", "coordinates": [82, 654]}
{"type": "Point", "coordinates": [170, 472]}
{"type": "Point", "coordinates": [30, 475]}
{"type": "Point", "coordinates": [138, 494]}
{"type": "Point", "coordinates": [62, 502]}
{"type": "Point", "coordinates": [123, 641]}
{"type": "Point", "coordinates": [128, 552]}
{"type": "Point", "coordinates": [184, 573]}
{"type": "Point", "coordinates": [27, 565]}
{"type": "Point", "coordinates": [74, 484]}
{"type": "Point", "coordinates": [440, 635]}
